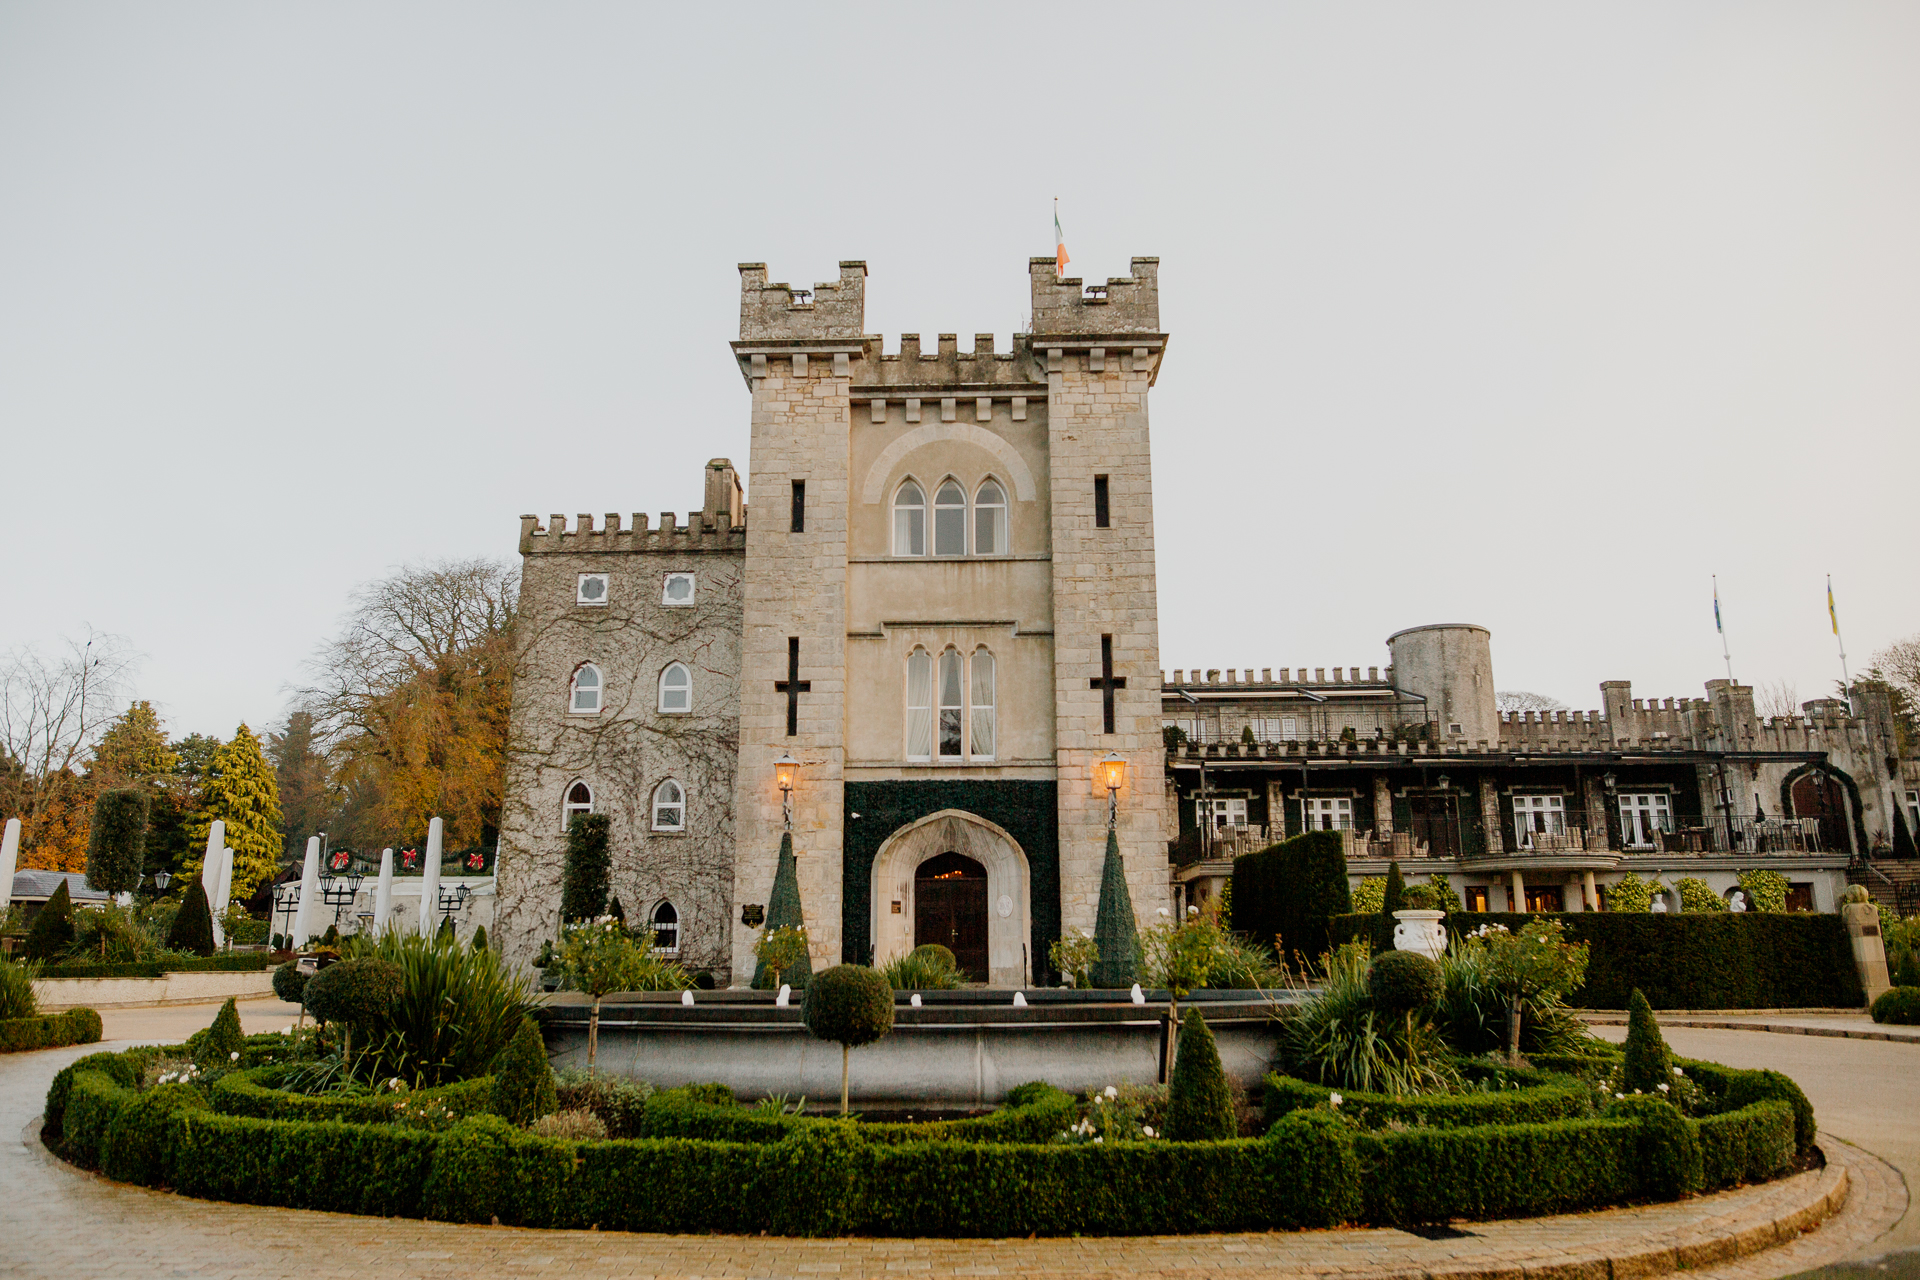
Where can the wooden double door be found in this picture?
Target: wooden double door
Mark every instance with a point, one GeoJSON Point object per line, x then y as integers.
{"type": "Point", "coordinates": [950, 908]}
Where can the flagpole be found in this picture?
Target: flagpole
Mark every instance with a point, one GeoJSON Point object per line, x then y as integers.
{"type": "Point", "coordinates": [1726, 654]}
{"type": "Point", "coordinates": [1846, 680]}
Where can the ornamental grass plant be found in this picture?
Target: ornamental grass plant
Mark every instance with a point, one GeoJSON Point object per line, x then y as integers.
{"type": "Point", "coordinates": [456, 1010]}
{"type": "Point", "coordinates": [923, 969]}
{"type": "Point", "coordinates": [16, 989]}
{"type": "Point", "coordinates": [1340, 1038]}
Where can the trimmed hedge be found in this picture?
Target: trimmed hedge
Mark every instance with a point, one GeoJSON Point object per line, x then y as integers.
{"type": "Point", "coordinates": [1034, 1113]}
{"type": "Point", "coordinates": [1543, 1104]}
{"type": "Point", "coordinates": [1683, 960]}
{"type": "Point", "coordinates": [49, 1030]}
{"type": "Point", "coordinates": [1291, 891]}
{"type": "Point", "coordinates": [251, 1093]}
{"type": "Point", "coordinates": [1898, 1006]}
{"type": "Point", "coordinates": [231, 962]}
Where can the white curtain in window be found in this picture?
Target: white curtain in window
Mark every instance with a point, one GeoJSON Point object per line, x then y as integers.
{"type": "Point", "coordinates": [990, 521]}
{"type": "Point", "coordinates": [951, 708]}
{"type": "Point", "coordinates": [950, 520]}
{"type": "Point", "coordinates": [676, 688]}
{"type": "Point", "coordinates": [909, 521]}
{"type": "Point", "coordinates": [982, 710]}
{"type": "Point", "coordinates": [920, 705]}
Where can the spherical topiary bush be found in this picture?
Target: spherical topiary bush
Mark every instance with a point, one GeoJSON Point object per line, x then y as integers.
{"type": "Point", "coordinates": [353, 993]}
{"type": "Point", "coordinates": [1899, 1006]}
{"type": "Point", "coordinates": [1400, 981]}
{"type": "Point", "coordinates": [289, 983]}
{"type": "Point", "coordinates": [937, 952]}
{"type": "Point", "coordinates": [850, 1005]}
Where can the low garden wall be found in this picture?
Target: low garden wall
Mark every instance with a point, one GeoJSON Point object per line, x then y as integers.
{"type": "Point", "coordinates": [701, 1163]}
{"type": "Point", "coordinates": [199, 987]}
{"type": "Point", "coordinates": [1682, 960]}
{"type": "Point", "coordinates": [959, 1050]}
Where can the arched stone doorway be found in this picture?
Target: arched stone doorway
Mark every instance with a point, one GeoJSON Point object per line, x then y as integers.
{"type": "Point", "coordinates": [896, 887]}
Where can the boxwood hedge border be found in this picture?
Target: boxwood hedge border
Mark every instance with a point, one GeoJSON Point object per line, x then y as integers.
{"type": "Point", "coordinates": [706, 1165]}
{"type": "Point", "coordinates": [50, 1030]}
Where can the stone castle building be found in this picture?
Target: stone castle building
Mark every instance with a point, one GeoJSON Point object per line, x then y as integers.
{"type": "Point", "coordinates": [943, 607]}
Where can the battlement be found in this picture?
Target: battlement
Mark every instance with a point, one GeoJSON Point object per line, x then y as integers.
{"type": "Point", "coordinates": [1214, 677]}
{"type": "Point", "coordinates": [703, 532]}
{"type": "Point", "coordinates": [834, 310]}
{"type": "Point", "coordinates": [913, 367]}
{"type": "Point", "coordinates": [1125, 304]}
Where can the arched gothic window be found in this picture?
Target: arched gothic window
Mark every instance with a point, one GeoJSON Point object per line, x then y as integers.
{"type": "Point", "coordinates": [950, 520]}
{"type": "Point", "coordinates": [676, 689]}
{"type": "Point", "coordinates": [990, 520]}
{"type": "Point", "coordinates": [980, 713]}
{"type": "Point", "coordinates": [909, 520]}
{"type": "Point", "coordinates": [666, 928]}
{"type": "Point", "coordinates": [579, 800]}
{"type": "Point", "coordinates": [669, 807]}
{"type": "Point", "coordinates": [952, 706]}
{"type": "Point", "coordinates": [919, 705]}
{"type": "Point", "coordinates": [586, 690]}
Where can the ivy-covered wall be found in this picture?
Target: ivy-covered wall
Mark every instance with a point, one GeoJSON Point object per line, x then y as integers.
{"type": "Point", "coordinates": [1024, 809]}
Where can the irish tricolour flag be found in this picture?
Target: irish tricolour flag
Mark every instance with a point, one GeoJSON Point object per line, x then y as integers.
{"type": "Point", "coordinates": [1059, 242]}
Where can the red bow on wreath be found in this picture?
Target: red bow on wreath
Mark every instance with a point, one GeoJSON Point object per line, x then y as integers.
{"type": "Point", "coordinates": [340, 859]}
{"type": "Point", "coordinates": [409, 858]}
{"type": "Point", "coordinates": [476, 861]}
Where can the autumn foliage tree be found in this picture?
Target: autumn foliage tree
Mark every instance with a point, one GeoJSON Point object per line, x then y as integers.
{"type": "Point", "coordinates": [411, 701]}
{"type": "Point", "coordinates": [240, 791]}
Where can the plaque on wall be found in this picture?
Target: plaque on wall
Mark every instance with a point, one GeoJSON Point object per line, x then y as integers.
{"type": "Point", "coordinates": [753, 915]}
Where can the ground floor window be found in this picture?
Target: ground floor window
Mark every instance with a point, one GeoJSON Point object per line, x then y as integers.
{"type": "Point", "coordinates": [1545, 898]}
{"type": "Point", "coordinates": [666, 929]}
{"type": "Point", "coordinates": [1800, 897]}
{"type": "Point", "coordinates": [1641, 814]}
{"type": "Point", "coordinates": [1476, 897]}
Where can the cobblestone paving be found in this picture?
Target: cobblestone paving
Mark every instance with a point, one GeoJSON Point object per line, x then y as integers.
{"type": "Point", "coordinates": [61, 1222]}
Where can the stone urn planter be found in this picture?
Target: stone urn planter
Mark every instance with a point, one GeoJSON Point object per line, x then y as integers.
{"type": "Point", "coordinates": [1420, 931]}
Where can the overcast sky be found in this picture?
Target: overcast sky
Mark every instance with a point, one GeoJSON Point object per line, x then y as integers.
{"type": "Point", "coordinates": [1533, 316]}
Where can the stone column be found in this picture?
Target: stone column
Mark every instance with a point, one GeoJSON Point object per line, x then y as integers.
{"type": "Point", "coordinates": [383, 896]}
{"type": "Point", "coordinates": [1869, 948]}
{"type": "Point", "coordinates": [1382, 807]}
{"type": "Point", "coordinates": [309, 890]}
{"type": "Point", "coordinates": [1517, 894]}
{"type": "Point", "coordinates": [1593, 891]}
{"type": "Point", "coordinates": [1571, 892]}
{"type": "Point", "coordinates": [430, 879]}
{"type": "Point", "coordinates": [9, 856]}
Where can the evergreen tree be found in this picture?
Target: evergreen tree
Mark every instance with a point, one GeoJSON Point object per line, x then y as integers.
{"type": "Point", "coordinates": [223, 1039]}
{"type": "Point", "coordinates": [301, 772]}
{"type": "Point", "coordinates": [1396, 889]}
{"type": "Point", "coordinates": [133, 749]}
{"type": "Point", "coordinates": [1113, 923]}
{"type": "Point", "coordinates": [589, 866]}
{"type": "Point", "coordinates": [1199, 1103]}
{"type": "Point", "coordinates": [117, 845]}
{"type": "Point", "coordinates": [52, 931]}
{"type": "Point", "coordinates": [523, 1088]}
{"type": "Point", "coordinates": [617, 911]}
{"type": "Point", "coordinates": [783, 912]}
{"type": "Point", "coordinates": [1647, 1064]}
{"type": "Point", "coordinates": [192, 928]}
{"type": "Point", "coordinates": [241, 791]}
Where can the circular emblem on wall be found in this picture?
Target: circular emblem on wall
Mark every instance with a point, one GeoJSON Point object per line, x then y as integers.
{"type": "Point", "coordinates": [1004, 906]}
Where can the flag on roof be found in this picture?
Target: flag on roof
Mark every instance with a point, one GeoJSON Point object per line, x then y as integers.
{"type": "Point", "coordinates": [1059, 241]}
{"type": "Point", "coordinates": [1832, 612]}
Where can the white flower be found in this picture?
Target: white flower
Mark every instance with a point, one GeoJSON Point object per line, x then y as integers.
{"type": "Point", "coordinates": [234, 1056]}
{"type": "Point", "coordinates": [1636, 1093]}
{"type": "Point", "coordinates": [1677, 1071]}
{"type": "Point", "coordinates": [1112, 1092]}
{"type": "Point", "coordinates": [1147, 1129]}
{"type": "Point", "coordinates": [1620, 1095]}
{"type": "Point", "coordinates": [1193, 911]}
{"type": "Point", "coordinates": [1099, 1140]}
{"type": "Point", "coordinates": [1334, 1099]}
{"type": "Point", "coordinates": [1662, 1087]}
{"type": "Point", "coordinates": [1165, 912]}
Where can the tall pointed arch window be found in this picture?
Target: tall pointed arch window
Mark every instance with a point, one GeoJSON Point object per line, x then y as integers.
{"type": "Point", "coordinates": [666, 928]}
{"type": "Point", "coordinates": [584, 696]}
{"type": "Point", "coordinates": [950, 520]}
{"type": "Point", "coordinates": [669, 807]}
{"type": "Point", "coordinates": [952, 708]}
{"type": "Point", "coordinates": [909, 520]}
{"type": "Point", "coordinates": [676, 689]}
{"type": "Point", "coordinates": [578, 801]}
{"type": "Point", "coordinates": [990, 520]}
{"type": "Point", "coordinates": [980, 712]}
{"type": "Point", "coordinates": [919, 705]}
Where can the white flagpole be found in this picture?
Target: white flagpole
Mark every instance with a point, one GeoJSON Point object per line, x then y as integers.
{"type": "Point", "coordinates": [1721, 627]}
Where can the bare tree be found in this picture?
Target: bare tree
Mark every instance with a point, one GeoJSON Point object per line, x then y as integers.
{"type": "Point", "coordinates": [1899, 665]}
{"type": "Point", "coordinates": [52, 713]}
{"type": "Point", "coordinates": [1521, 700]}
{"type": "Point", "coordinates": [1776, 698]}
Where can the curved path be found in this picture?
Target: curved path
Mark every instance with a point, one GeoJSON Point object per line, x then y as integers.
{"type": "Point", "coordinates": [61, 1222]}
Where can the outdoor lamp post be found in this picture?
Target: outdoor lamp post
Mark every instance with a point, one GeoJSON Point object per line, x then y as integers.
{"type": "Point", "coordinates": [787, 770]}
{"type": "Point", "coordinates": [339, 892]}
{"type": "Point", "coordinates": [451, 900]}
{"type": "Point", "coordinates": [1112, 770]}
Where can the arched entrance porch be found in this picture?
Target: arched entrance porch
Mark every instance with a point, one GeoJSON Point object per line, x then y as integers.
{"type": "Point", "coordinates": [896, 889]}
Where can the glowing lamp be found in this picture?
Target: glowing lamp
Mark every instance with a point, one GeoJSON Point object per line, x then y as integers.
{"type": "Point", "coordinates": [787, 770]}
{"type": "Point", "coordinates": [1112, 771]}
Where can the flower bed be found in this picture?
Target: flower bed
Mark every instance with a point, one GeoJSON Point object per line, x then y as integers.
{"type": "Point", "coordinates": [49, 1030]}
{"type": "Point", "coordinates": [703, 1163]}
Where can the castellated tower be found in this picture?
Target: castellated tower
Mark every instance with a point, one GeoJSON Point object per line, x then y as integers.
{"type": "Point", "coordinates": [950, 620]}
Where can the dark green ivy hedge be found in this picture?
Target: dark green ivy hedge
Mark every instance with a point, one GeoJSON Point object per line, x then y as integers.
{"type": "Point", "coordinates": [1682, 960]}
{"type": "Point", "coordinates": [1291, 891]}
{"type": "Point", "coordinates": [796, 1176]}
{"type": "Point", "coordinates": [49, 1030]}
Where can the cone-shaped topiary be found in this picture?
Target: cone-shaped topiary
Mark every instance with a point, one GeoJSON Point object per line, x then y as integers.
{"type": "Point", "coordinates": [617, 911]}
{"type": "Point", "coordinates": [589, 867]}
{"type": "Point", "coordinates": [850, 1005]}
{"type": "Point", "coordinates": [523, 1088]}
{"type": "Point", "coordinates": [1113, 924]}
{"type": "Point", "coordinates": [224, 1039]}
{"type": "Point", "coordinates": [480, 938]}
{"type": "Point", "coordinates": [1199, 1103]}
{"type": "Point", "coordinates": [1400, 981]}
{"type": "Point", "coordinates": [1647, 1064]}
{"type": "Point", "coordinates": [192, 928]}
{"type": "Point", "coordinates": [1391, 901]}
{"type": "Point", "coordinates": [117, 844]}
{"type": "Point", "coordinates": [445, 936]}
{"type": "Point", "coordinates": [52, 931]}
{"type": "Point", "coordinates": [783, 912]}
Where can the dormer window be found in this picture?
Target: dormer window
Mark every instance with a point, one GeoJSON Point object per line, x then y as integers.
{"type": "Point", "coordinates": [591, 589]}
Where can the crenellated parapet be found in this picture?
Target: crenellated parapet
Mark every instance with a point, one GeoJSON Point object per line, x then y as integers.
{"type": "Point", "coordinates": [1125, 304]}
{"type": "Point", "coordinates": [832, 310]}
{"type": "Point", "coordinates": [701, 532]}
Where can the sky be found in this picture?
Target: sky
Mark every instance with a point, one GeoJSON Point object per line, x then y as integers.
{"type": "Point", "coordinates": [1531, 316]}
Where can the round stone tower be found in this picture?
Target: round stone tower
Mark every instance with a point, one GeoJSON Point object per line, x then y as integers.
{"type": "Point", "coordinates": [1450, 664]}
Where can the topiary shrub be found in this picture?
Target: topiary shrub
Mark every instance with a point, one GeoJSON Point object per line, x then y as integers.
{"type": "Point", "coordinates": [1401, 981]}
{"type": "Point", "coordinates": [222, 1040]}
{"type": "Point", "coordinates": [589, 868]}
{"type": "Point", "coordinates": [192, 928]}
{"type": "Point", "coordinates": [850, 1005]}
{"type": "Point", "coordinates": [1647, 1064]}
{"type": "Point", "coordinates": [1199, 1103]}
{"type": "Point", "coordinates": [52, 931]}
{"type": "Point", "coordinates": [290, 984]}
{"type": "Point", "coordinates": [1289, 893]}
{"type": "Point", "coordinates": [1697, 895]}
{"type": "Point", "coordinates": [1113, 923]}
{"type": "Point", "coordinates": [1420, 897]}
{"type": "Point", "coordinates": [523, 1087]}
{"type": "Point", "coordinates": [480, 938]}
{"type": "Point", "coordinates": [936, 952]}
{"type": "Point", "coordinates": [1391, 898]}
{"type": "Point", "coordinates": [1899, 1006]}
{"type": "Point", "coordinates": [356, 994]}
{"type": "Point", "coordinates": [1671, 1163]}
{"type": "Point", "coordinates": [117, 842]}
